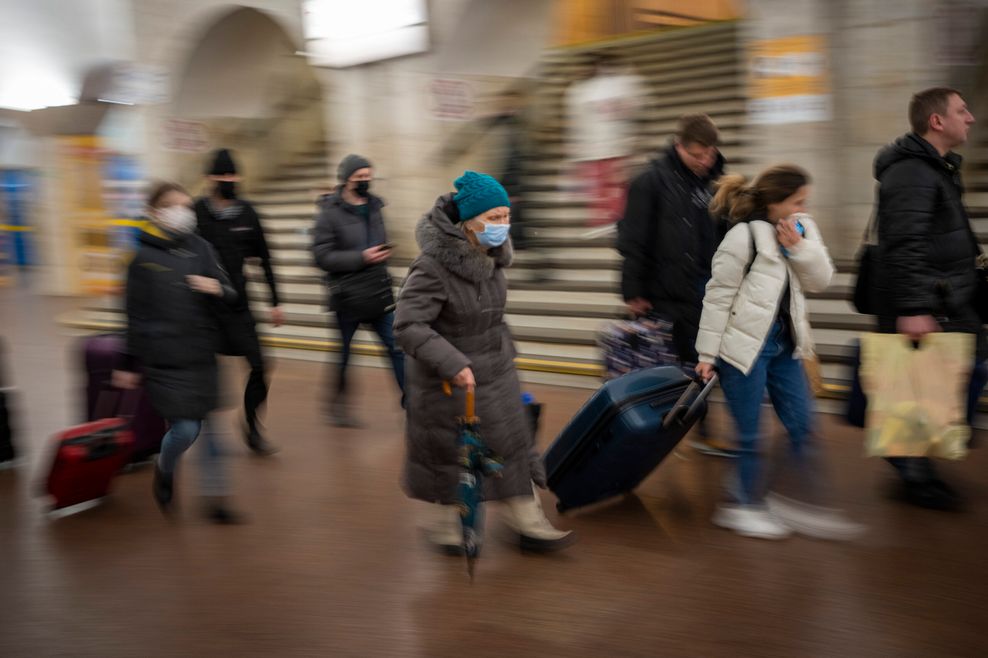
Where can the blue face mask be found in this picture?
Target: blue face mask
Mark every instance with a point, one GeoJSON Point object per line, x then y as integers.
{"type": "Point", "coordinates": [493, 235]}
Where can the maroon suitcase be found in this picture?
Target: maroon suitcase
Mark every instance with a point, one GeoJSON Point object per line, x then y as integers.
{"type": "Point", "coordinates": [87, 457]}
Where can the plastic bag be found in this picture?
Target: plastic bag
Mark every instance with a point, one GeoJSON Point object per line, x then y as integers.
{"type": "Point", "coordinates": [916, 394]}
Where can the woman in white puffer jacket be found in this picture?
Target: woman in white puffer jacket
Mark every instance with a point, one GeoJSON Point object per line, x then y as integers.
{"type": "Point", "coordinates": [754, 331]}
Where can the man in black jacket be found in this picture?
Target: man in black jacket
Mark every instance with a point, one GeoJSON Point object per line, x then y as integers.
{"type": "Point", "coordinates": [926, 272]}
{"type": "Point", "coordinates": [668, 238]}
{"type": "Point", "coordinates": [349, 239]}
{"type": "Point", "coordinates": [234, 229]}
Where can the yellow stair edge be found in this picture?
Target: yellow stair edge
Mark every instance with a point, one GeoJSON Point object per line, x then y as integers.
{"type": "Point", "coordinates": [552, 366]}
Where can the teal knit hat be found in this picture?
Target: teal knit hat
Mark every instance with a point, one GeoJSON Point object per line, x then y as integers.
{"type": "Point", "coordinates": [478, 193]}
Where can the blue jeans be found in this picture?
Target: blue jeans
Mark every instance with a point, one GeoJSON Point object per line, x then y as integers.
{"type": "Point", "coordinates": [775, 369]}
{"type": "Point", "coordinates": [181, 434]}
{"type": "Point", "coordinates": [383, 326]}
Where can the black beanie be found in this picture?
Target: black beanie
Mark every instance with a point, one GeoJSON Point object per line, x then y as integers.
{"type": "Point", "coordinates": [222, 164]}
{"type": "Point", "coordinates": [350, 164]}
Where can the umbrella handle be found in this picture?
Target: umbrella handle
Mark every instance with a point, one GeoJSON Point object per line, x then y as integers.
{"type": "Point", "coordinates": [471, 399]}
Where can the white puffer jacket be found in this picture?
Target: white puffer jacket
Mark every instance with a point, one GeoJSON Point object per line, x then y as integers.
{"type": "Point", "coordinates": [741, 304]}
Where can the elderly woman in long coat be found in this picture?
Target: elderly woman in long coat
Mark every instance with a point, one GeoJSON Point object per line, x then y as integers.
{"type": "Point", "coordinates": [450, 323]}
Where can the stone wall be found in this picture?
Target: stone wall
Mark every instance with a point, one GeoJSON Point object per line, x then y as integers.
{"type": "Point", "coordinates": [383, 110]}
{"type": "Point", "coordinates": [263, 133]}
{"type": "Point", "coordinates": [880, 54]}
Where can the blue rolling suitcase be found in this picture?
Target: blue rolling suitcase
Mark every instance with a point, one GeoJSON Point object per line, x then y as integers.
{"type": "Point", "coordinates": [622, 433]}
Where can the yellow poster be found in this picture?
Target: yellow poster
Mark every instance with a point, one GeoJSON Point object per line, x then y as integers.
{"type": "Point", "coordinates": [789, 80]}
{"type": "Point", "coordinates": [97, 259]}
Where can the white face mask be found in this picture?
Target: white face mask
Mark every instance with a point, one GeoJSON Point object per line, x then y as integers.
{"type": "Point", "coordinates": [177, 219]}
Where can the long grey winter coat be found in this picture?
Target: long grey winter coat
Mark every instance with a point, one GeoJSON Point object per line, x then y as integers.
{"type": "Point", "coordinates": [451, 316]}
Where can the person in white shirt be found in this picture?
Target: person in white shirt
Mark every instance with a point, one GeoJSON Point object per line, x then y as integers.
{"type": "Point", "coordinates": [601, 112]}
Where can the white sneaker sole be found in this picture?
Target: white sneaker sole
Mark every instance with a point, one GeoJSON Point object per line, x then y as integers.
{"type": "Point", "coordinates": [797, 519]}
{"type": "Point", "coordinates": [723, 520]}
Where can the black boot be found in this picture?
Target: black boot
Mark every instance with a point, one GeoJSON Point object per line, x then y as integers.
{"type": "Point", "coordinates": [219, 513]}
{"type": "Point", "coordinates": [340, 416]}
{"type": "Point", "coordinates": [258, 444]}
{"type": "Point", "coordinates": [931, 494]}
{"type": "Point", "coordinates": [922, 486]}
{"type": "Point", "coordinates": [163, 487]}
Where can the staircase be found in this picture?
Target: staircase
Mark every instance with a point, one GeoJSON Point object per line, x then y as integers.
{"type": "Point", "coordinates": [565, 287]}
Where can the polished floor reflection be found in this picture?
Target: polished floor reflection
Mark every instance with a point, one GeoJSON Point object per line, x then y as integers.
{"type": "Point", "coordinates": [332, 562]}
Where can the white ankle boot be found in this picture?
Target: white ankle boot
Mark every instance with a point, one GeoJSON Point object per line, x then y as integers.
{"type": "Point", "coordinates": [524, 515]}
{"type": "Point", "coordinates": [444, 530]}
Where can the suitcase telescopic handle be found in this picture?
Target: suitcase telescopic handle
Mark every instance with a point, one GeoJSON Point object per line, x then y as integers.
{"type": "Point", "coordinates": [685, 411]}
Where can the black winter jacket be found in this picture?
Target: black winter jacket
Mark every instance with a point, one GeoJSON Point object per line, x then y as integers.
{"type": "Point", "coordinates": [667, 239]}
{"type": "Point", "coordinates": [171, 329]}
{"type": "Point", "coordinates": [927, 249]}
{"type": "Point", "coordinates": [235, 240]}
{"type": "Point", "coordinates": [341, 235]}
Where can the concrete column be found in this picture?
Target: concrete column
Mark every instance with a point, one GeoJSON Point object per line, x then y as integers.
{"type": "Point", "coordinates": [880, 53]}
{"type": "Point", "coordinates": [885, 52]}
{"type": "Point", "coordinates": [810, 144]}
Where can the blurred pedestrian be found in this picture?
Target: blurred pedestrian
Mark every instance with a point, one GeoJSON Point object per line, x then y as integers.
{"type": "Point", "coordinates": [927, 278]}
{"type": "Point", "coordinates": [602, 111]}
{"type": "Point", "coordinates": [173, 285]}
{"type": "Point", "coordinates": [232, 226]}
{"type": "Point", "coordinates": [450, 323]}
{"type": "Point", "coordinates": [8, 453]}
{"type": "Point", "coordinates": [667, 240]}
{"type": "Point", "coordinates": [511, 120]}
{"type": "Point", "coordinates": [350, 245]}
{"type": "Point", "coordinates": [755, 332]}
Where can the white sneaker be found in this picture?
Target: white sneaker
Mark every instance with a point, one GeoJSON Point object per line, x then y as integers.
{"type": "Point", "coordinates": [813, 521]}
{"type": "Point", "coordinates": [750, 521]}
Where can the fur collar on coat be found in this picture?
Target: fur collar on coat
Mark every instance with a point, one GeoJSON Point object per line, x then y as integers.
{"type": "Point", "coordinates": [441, 237]}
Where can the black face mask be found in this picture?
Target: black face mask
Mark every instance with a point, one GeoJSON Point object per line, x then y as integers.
{"type": "Point", "coordinates": [227, 189]}
{"type": "Point", "coordinates": [362, 188]}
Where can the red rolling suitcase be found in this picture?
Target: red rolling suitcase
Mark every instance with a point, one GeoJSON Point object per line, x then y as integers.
{"type": "Point", "coordinates": [87, 457]}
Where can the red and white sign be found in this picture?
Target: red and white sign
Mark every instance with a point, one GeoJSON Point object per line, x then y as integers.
{"type": "Point", "coordinates": [185, 136]}
{"type": "Point", "coordinates": [451, 100]}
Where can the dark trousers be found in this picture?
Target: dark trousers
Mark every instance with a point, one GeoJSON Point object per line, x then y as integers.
{"type": "Point", "coordinates": [383, 327]}
{"type": "Point", "coordinates": [241, 339]}
{"type": "Point", "coordinates": [920, 469]}
{"type": "Point", "coordinates": [256, 392]}
{"type": "Point", "coordinates": [6, 431]}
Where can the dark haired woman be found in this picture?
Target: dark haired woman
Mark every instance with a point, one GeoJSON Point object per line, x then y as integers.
{"type": "Point", "coordinates": [172, 331]}
{"type": "Point", "coordinates": [754, 330]}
